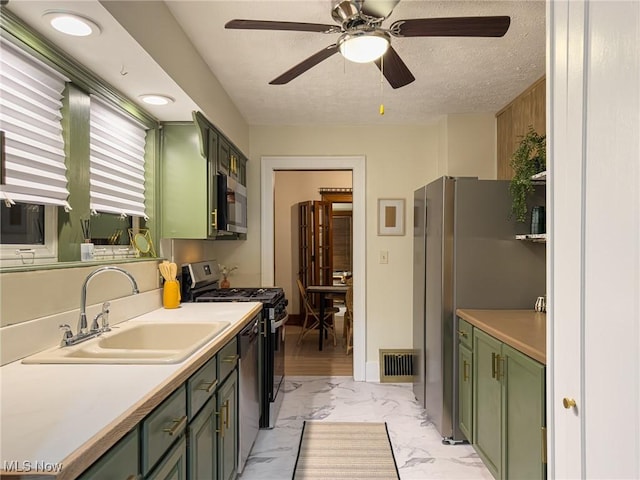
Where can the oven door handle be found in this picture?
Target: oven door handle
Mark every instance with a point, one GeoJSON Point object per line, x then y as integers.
{"type": "Point", "coordinates": [279, 323]}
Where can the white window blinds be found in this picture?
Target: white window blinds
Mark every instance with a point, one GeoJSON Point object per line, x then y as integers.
{"type": "Point", "coordinates": [116, 161]}
{"type": "Point", "coordinates": [31, 96]}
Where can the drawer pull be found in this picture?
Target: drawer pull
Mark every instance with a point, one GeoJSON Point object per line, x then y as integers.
{"type": "Point", "coordinates": [210, 388]}
{"type": "Point", "coordinates": [231, 359]}
{"type": "Point", "coordinates": [462, 333]}
{"type": "Point", "coordinates": [178, 424]}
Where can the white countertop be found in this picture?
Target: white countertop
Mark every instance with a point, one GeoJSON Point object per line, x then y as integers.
{"type": "Point", "coordinates": [49, 412]}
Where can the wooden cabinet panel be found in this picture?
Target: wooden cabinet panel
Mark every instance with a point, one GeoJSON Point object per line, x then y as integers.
{"type": "Point", "coordinates": [513, 121]}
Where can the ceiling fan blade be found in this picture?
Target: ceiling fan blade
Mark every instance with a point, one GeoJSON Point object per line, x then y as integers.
{"type": "Point", "coordinates": [394, 69]}
{"type": "Point", "coordinates": [378, 8]}
{"type": "Point", "coordinates": [290, 26]}
{"type": "Point", "coordinates": [451, 27]}
{"type": "Point", "coordinates": [305, 65]}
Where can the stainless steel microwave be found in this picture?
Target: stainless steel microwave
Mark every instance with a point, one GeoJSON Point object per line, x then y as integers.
{"type": "Point", "coordinates": [232, 206]}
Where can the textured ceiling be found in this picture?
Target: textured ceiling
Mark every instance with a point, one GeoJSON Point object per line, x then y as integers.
{"type": "Point", "coordinates": [453, 75]}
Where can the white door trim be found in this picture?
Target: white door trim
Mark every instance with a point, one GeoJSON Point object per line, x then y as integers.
{"type": "Point", "coordinates": [268, 166]}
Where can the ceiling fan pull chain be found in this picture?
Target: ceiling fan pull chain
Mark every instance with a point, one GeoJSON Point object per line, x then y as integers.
{"type": "Point", "coordinates": [381, 85]}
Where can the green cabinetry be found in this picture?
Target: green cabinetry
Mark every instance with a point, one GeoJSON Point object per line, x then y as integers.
{"type": "Point", "coordinates": [487, 402]}
{"type": "Point", "coordinates": [193, 155]}
{"type": "Point", "coordinates": [184, 189]}
{"type": "Point", "coordinates": [192, 434]}
{"type": "Point", "coordinates": [174, 464]}
{"type": "Point", "coordinates": [121, 462]}
{"type": "Point", "coordinates": [508, 409]}
{"type": "Point", "coordinates": [465, 378]}
{"type": "Point", "coordinates": [228, 427]}
{"type": "Point", "coordinates": [524, 416]}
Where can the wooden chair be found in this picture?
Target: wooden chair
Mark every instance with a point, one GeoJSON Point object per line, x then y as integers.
{"type": "Point", "coordinates": [312, 316]}
{"type": "Point", "coordinates": [348, 316]}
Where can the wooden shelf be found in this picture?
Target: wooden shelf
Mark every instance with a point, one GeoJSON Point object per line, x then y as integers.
{"type": "Point", "coordinates": [533, 237]}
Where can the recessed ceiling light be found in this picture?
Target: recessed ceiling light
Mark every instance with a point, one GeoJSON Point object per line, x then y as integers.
{"type": "Point", "coordinates": [156, 99]}
{"type": "Point", "coordinates": [72, 23]}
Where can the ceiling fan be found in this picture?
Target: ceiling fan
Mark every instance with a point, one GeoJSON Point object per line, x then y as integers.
{"type": "Point", "coordinates": [363, 39]}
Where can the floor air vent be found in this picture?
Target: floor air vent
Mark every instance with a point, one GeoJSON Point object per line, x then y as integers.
{"type": "Point", "coordinates": [396, 366]}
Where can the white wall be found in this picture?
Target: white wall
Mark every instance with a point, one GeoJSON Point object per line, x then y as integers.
{"type": "Point", "coordinates": [593, 116]}
{"type": "Point", "coordinates": [292, 187]}
{"type": "Point", "coordinates": [399, 159]}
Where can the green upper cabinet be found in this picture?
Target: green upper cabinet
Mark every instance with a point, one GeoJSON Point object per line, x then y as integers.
{"type": "Point", "coordinates": [224, 156]}
{"type": "Point", "coordinates": [185, 206]}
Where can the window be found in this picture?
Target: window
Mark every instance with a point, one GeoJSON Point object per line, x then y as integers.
{"type": "Point", "coordinates": [33, 166]}
{"type": "Point", "coordinates": [117, 145]}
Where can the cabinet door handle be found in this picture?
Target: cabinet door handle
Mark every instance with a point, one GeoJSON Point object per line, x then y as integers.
{"type": "Point", "coordinates": [465, 372]}
{"type": "Point", "coordinates": [214, 223]}
{"type": "Point", "coordinates": [230, 359]}
{"type": "Point", "coordinates": [178, 424]}
{"type": "Point", "coordinates": [500, 369]}
{"type": "Point", "coordinates": [222, 421]}
{"type": "Point", "coordinates": [211, 386]}
{"type": "Point", "coordinates": [493, 364]}
{"type": "Point", "coordinates": [462, 333]}
{"type": "Point", "coordinates": [226, 413]}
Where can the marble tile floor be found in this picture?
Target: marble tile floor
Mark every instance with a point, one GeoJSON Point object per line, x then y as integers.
{"type": "Point", "coordinates": [417, 445]}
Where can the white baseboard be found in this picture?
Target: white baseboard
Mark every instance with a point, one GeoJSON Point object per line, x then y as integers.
{"type": "Point", "coordinates": [372, 373]}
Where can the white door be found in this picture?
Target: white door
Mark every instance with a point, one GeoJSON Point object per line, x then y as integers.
{"type": "Point", "coordinates": [594, 248]}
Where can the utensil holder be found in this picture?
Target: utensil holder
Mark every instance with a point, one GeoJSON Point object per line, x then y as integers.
{"type": "Point", "coordinates": [171, 294]}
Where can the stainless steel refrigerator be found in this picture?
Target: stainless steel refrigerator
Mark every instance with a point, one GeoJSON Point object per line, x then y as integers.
{"type": "Point", "coordinates": [465, 256]}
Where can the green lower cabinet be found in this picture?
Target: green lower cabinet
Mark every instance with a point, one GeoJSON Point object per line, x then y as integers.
{"type": "Point", "coordinates": [174, 465]}
{"type": "Point", "coordinates": [524, 418]}
{"type": "Point", "coordinates": [508, 410]}
{"type": "Point", "coordinates": [121, 462]}
{"type": "Point", "coordinates": [487, 401]}
{"type": "Point", "coordinates": [228, 427]}
{"type": "Point", "coordinates": [465, 396]}
{"type": "Point", "coordinates": [203, 448]}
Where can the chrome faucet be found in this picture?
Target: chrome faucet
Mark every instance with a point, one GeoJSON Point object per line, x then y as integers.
{"type": "Point", "coordinates": [82, 333]}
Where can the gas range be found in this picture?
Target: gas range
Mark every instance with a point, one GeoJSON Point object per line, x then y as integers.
{"type": "Point", "coordinates": [270, 296]}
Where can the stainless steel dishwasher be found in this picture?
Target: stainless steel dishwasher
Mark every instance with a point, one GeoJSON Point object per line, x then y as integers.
{"type": "Point", "coordinates": [249, 386]}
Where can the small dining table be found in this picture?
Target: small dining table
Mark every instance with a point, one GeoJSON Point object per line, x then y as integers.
{"type": "Point", "coordinates": [323, 291]}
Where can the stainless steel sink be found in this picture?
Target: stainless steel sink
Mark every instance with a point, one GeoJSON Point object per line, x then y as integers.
{"type": "Point", "coordinates": [137, 343]}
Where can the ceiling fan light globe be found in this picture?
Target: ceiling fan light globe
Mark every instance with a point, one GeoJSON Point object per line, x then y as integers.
{"type": "Point", "coordinates": [363, 48]}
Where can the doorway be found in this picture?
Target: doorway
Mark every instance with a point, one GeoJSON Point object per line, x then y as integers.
{"type": "Point", "coordinates": [269, 165]}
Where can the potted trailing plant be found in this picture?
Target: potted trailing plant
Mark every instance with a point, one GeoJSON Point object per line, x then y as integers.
{"type": "Point", "coordinates": [529, 158]}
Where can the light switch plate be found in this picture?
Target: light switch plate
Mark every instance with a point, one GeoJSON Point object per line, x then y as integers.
{"type": "Point", "coordinates": [384, 256]}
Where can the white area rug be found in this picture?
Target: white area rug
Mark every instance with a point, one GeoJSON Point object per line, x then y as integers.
{"type": "Point", "coordinates": [345, 450]}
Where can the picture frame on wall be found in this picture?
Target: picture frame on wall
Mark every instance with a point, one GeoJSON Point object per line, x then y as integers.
{"type": "Point", "coordinates": [391, 216]}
